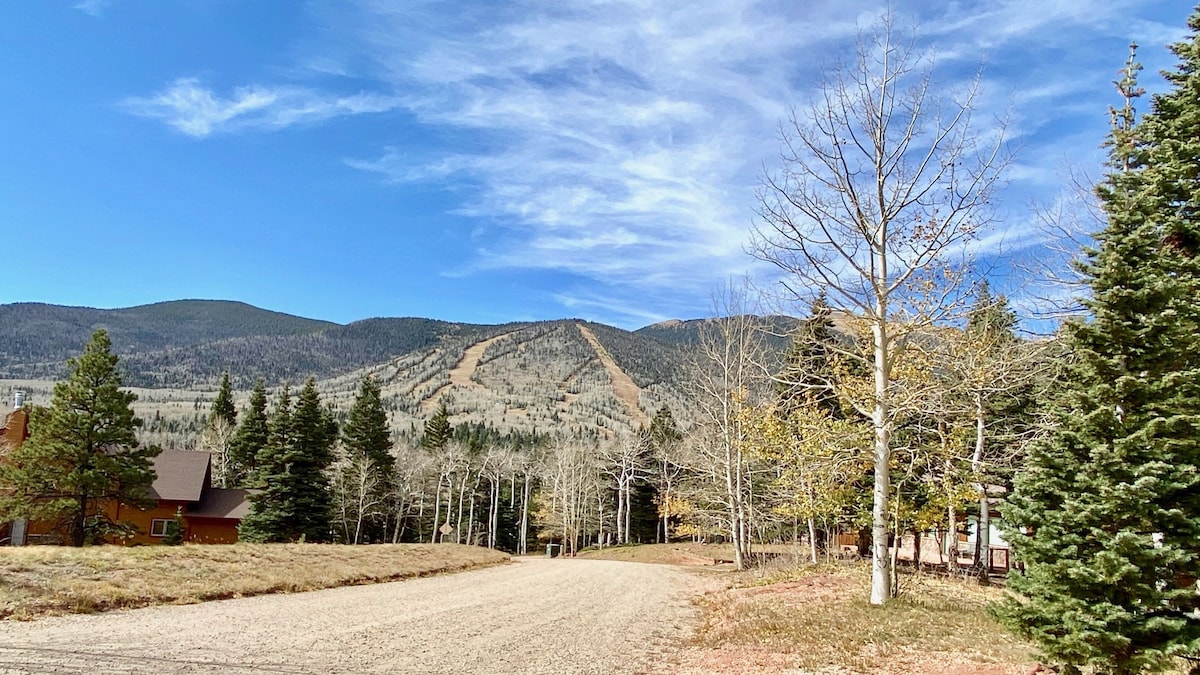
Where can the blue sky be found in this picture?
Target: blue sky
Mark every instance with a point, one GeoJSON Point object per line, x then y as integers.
{"type": "Point", "coordinates": [478, 162]}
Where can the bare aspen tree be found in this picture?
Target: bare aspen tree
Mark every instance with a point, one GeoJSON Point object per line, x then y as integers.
{"type": "Point", "coordinates": [498, 462]}
{"type": "Point", "coordinates": [883, 184]}
{"type": "Point", "coordinates": [571, 477]}
{"type": "Point", "coordinates": [216, 439]}
{"type": "Point", "coordinates": [726, 375]}
{"type": "Point", "coordinates": [986, 366]}
{"type": "Point", "coordinates": [623, 459]}
{"type": "Point", "coordinates": [356, 495]}
{"type": "Point", "coordinates": [414, 469]}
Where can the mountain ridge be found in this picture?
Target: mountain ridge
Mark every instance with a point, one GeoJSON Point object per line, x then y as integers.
{"type": "Point", "coordinates": [188, 343]}
{"type": "Point", "coordinates": [577, 377]}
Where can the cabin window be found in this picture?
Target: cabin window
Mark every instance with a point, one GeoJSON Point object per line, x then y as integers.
{"type": "Point", "coordinates": [158, 527]}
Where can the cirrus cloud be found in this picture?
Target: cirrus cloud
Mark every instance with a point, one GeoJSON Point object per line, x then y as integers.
{"type": "Point", "coordinates": [198, 111]}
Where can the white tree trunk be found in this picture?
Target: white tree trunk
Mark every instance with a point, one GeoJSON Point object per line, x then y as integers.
{"type": "Point", "coordinates": [523, 545]}
{"type": "Point", "coordinates": [983, 535]}
{"type": "Point", "coordinates": [812, 539]}
{"type": "Point", "coordinates": [621, 512]}
{"type": "Point", "coordinates": [881, 564]}
{"type": "Point", "coordinates": [437, 512]}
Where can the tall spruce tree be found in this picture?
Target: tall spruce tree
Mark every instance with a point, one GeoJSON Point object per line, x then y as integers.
{"type": "Point", "coordinates": [219, 434]}
{"type": "Point", "coordinates": [664, 441]}
{"type": "Point", "coordinates": [1106, 516]}
{"type": "Point", "coordinates": [252, 436]}
{"type": "Point", "coordinates": [82, 456]}
{"type": "Point", "coordinates": [295, 501]}
{"type": "Point", "coordinates": [807, 376]}
{"type": "Point", "coordinates": [222, 406]}
{"type": "Point", "coordinates": [367, 432]}
{"type": "Point", "coordinates": [438, 431]}
{"type": "Point", "coordinates": [367, 442]}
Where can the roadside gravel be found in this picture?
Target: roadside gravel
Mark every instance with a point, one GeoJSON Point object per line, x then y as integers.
{"type": "Point", "coordinates": [533, 616]}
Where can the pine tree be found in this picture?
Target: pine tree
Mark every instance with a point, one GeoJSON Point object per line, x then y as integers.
{"type": "Point", "coordinates": [295, 502]}
{"type": "Point", "coordinates": [219, 433]}
{"type": "Point", "coordinates": [368, 467]}
{"type": "Point", "coordinates": [438, 431]}
{"type": "Point", "coordinates": [222, 406]}
{"type": "Point", "coordinates": [664, 440]}
{"type": "Point", "coordinates": [367, 432]}
{"type": "Point", "coordinates": [252, 436]}
{"type": "Point", "coordinates": [1106, 515]}
{"type": "Point", "coordinates": [807, 375]}
{"type": "Point", "coordinates": [82, 455]}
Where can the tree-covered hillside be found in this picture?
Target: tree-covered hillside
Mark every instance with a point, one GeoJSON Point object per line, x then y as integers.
{"type": "Point", "coordinates": [36, 339]}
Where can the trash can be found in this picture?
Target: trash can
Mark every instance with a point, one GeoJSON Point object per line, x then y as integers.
{"type": "Point", "coordinates": [551, 550]}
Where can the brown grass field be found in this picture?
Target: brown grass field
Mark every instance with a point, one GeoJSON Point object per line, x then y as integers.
{"type": "Point", "coordinates": [791, 617]}
{"type": "Point", "coordinates": [817, 619]}
{"type": "Point", "coordinates": [41, 580]}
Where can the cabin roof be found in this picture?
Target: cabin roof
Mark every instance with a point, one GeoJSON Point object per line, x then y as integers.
{"type": "Point", "coordinates": [180, 475]}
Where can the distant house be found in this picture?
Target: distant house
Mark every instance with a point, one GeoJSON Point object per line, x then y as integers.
{"type": "Point", "coordinates": [15, 427]}
{"type": "Point", "coordinates": [182, 483]}
{"type": "Point", "coordinates": [13, 433]}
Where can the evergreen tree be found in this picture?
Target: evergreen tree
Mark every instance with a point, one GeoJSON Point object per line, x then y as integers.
{"type": "Point", "coordinates": [82, 455]}
{"type": "Point", "coordinates": [252, 436]}
{"type": "Point", "coordinates": [367, 432]}
{"type": "Point", "coordinates": [807, 375]}
{"type": "Point", "coordinates": [664, 441]}
{"type": "Point", "coordinates": [219, 434]}
{"type": "Point", "coordinates": [367, 436]}
{"type": "Point", "coordinates": [295, 502]}
{"type": "Point", "coordinates": [992, 316]}
{"type": "Point", "coordinates": [1106, 515]}
{"type": "Point", "coordinates": [222, 406]}
{"type": "Point", "coordinates": [438, 431]}
{"type": "Point", "coordinates": [175, 530]}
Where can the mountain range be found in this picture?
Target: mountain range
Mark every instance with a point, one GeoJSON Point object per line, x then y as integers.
{"type": "Point", "coordinates": [589, 378]}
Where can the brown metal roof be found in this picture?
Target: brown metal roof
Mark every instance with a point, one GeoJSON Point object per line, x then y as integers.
{"type": "Point", "coordinates": [180, 475]}
{"type": "Point", "coordinates": [222, 503]}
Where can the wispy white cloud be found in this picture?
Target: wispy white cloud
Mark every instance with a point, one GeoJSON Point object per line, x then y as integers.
{"type": "Point", "coordinates": [92, 7]}
{"type": "Point", "coordinates": [630, 134]}
{"type": "Point", "coordinates": [610, 306]}
{"type": "Point", "coordinates": [620, 142]}
{"type": "Point", "coordinates": [198, 111]}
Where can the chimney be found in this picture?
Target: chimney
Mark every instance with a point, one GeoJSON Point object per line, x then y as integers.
{"type": "Point", "coordinates": [18, 399]}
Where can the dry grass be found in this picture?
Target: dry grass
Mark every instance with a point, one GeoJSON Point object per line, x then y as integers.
{"type": "Point", "coordinates": [664, 554]}
{"type": "Point", "coordinates": [819, 620]}
{"type": "Point", "coordinates": [41, 580]}
{"type": "Point", "coordinates": [683, 553]}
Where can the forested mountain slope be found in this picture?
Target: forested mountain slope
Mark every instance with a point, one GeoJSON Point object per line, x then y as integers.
{"type": "Point", "coordinates": [36, 339]}
{"type": "Point", "coordinates": [568, 375]}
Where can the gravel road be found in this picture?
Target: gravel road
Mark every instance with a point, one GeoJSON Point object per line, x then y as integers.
{"type": "Point", "coordinates": [533, 616]}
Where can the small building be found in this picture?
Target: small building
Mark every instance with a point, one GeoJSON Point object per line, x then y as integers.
{"type": "Point", "coordinates": [14, 429]}
{"type": "Point", "coordinates": [183, 485]}
{"type": "Point", "coordinates": [15, 425]}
